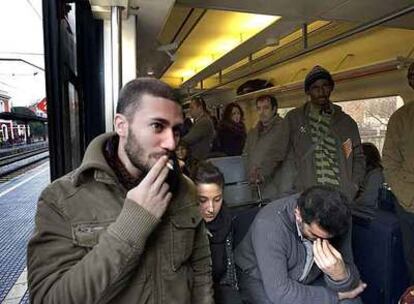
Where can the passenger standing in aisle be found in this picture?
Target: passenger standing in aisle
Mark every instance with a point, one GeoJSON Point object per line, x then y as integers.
{"type": "Point", "coordinates": [259, 143]}
{"type": "Point", "coordinates": [398, 160]}
{"type": "Point", "coordinates": [123, 227]}
{"type": "Point", "coordinates": [201, 135]}
{"type": "Point", "coordinates": [320, 142]}
{"type": "Point", "coordinates": [231, 131]}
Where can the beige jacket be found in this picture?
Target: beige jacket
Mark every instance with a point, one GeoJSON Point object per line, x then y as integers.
{"type": "Point", "coordinates": [91, 245]}
{"type": "Point", "coordinates": [398, 155]}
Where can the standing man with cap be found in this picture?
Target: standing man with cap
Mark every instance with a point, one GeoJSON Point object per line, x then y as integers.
{"type": "Point", "coordinates": [321, 142]}
{"type": "Point", "coordinates": [398, 160]}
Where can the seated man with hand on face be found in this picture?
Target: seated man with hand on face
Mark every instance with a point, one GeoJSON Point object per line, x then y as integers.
{"type": "Point", "coordinates": [298, 250]}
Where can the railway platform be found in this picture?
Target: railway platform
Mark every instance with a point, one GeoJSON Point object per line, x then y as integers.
{"type": "Point", "coordinates": [18, 199]}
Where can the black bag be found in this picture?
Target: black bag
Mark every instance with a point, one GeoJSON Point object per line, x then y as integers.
{"type": "Point", "coordinates": [386, 198]}
{"type": "Point", "coordinates": [379, 256]}
{"type": "Point", "coordinates": [253, 85]}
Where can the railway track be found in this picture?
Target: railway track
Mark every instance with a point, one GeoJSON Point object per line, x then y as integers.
{"type": "Point", "coordinates": [17, 162]}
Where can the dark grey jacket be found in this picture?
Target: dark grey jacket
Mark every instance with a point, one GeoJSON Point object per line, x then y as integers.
{"type": "Point", "coordinates": [258, 151]}
{"type": "Point", "coordinates": [200, 137]}
{"type": "Point", "coordinates": [295, 147]}
{"type": "Point", "coordinates": [368, 194]}
{"type": "Point", "coordinates": [273, 253]}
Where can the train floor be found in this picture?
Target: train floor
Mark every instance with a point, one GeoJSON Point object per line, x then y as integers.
{"type": "Point", "coordinates": [18, 199]}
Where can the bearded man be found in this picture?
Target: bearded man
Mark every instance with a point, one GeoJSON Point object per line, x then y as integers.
{"type": "Point", "coordinates": [123, 227]}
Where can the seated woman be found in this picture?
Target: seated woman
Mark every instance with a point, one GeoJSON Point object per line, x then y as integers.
{"type": "Point", "coordinates": [186, 162]}
{"type": "Point", "coordinates": [231, 131]}
{"type": "Point", "coordinates": [209, 182]}
{"type": "Point", "coordinates": [374, 178]}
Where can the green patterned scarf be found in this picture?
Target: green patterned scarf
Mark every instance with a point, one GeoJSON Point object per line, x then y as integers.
{"type": "Point", "coordinates": [325, 153]}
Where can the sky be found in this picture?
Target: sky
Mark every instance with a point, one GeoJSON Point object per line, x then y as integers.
{"type": "Point", "coordinates": [21, 32]}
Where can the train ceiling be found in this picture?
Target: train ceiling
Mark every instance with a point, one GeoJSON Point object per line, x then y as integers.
{"type": "Point", "coordinates": [221, 43]}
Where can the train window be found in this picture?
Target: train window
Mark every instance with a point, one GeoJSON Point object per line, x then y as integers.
{"type": "Point", "coordinates": [283, 111]}
{"type": "Point", "coordinates": [371, 116]}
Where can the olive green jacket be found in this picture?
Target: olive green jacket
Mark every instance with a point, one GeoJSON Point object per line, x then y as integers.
{"type": "Point", "coordinates": [398, 155]}
{"type": "Point", "coordinates": [91, 245]}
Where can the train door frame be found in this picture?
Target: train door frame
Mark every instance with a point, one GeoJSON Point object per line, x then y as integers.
{"type": "Point", "coordinates": [68, 66]}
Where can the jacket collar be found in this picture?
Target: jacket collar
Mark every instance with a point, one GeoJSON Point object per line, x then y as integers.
{"type": "Point", "coordinates": [337, 110]}
{"type": "Point", "coordinates": [202, 115]}
{"type": "Point", "coordinates": [262, 129]}
{"type": "Point", "coordinates": [94, 161]}
{"type": "Point", "coordinates": [287, 215]}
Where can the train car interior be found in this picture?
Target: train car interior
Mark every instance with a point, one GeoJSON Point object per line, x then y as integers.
{"type": "Point", "coordinates": [211, 48]}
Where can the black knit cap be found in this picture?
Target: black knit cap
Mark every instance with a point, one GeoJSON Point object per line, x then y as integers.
{"type": "Point", "coordinates": [315, 74]}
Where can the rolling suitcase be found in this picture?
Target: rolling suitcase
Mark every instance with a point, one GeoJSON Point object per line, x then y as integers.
{"type": "Point", "coordinates": [378, 254]}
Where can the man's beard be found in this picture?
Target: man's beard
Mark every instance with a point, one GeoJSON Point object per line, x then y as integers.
{"type": "Point", "coordinates": [135, 153]}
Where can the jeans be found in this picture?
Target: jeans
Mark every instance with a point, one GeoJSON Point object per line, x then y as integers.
{"type": "Point", "coordinates": [407, 230]}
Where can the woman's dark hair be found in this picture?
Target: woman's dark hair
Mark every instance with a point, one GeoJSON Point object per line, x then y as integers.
{"type": "Point", "coordinates": [372, 156]}
{"type": "Point", "coordinates": [328, 207]}
{"type": "Point", "coordinates": [228, 110]}
{"type": "Point", "coordinates": [207, 173]}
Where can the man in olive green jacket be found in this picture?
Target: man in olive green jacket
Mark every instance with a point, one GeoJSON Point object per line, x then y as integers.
{"type": "Point", "coordinates": [122, 228]}
{"type": "Point", "coordinates": [398, 160]}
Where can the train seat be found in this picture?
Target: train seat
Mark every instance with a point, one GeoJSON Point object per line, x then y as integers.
{"type": "Point", "coordinates": [237, 191]}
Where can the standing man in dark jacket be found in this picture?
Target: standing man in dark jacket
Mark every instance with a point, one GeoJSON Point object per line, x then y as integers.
{"type": "Point", "coordinates": [298, 250]}
{"type": "Point", "coordinates": [201, 135]}
{"type": "Point", "coordinates": [320, 142]}
{"type": "Point", "coordinates": [123, 228]}
{"type": "Point", "coordinates": [260, 142]}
